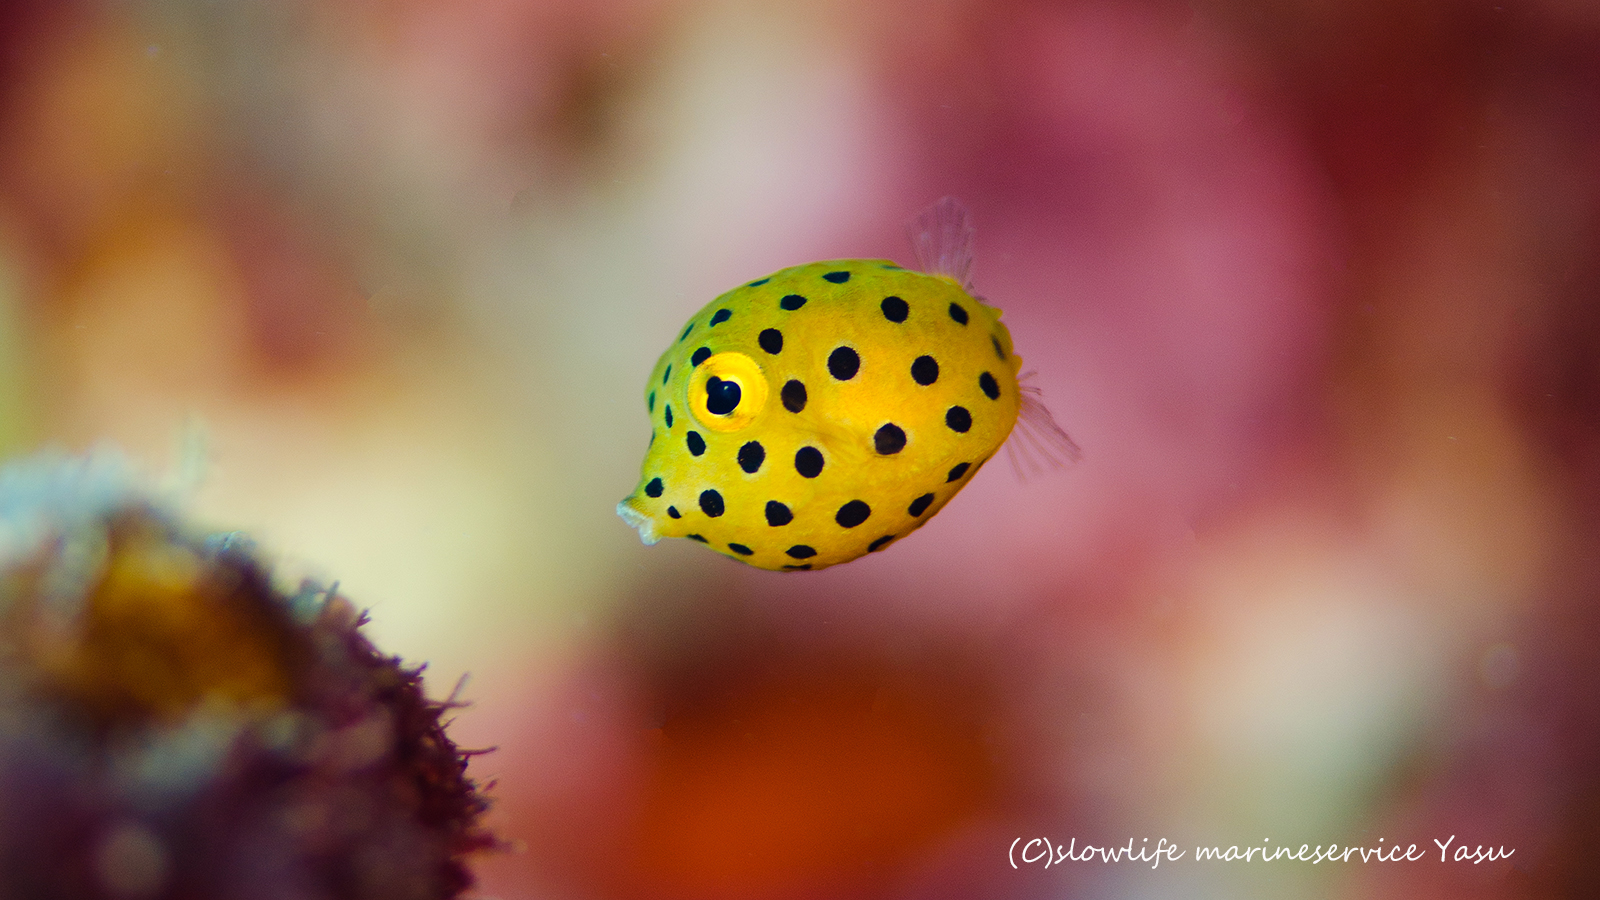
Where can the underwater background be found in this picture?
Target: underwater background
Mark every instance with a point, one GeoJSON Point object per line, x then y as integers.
{"type": "Point", "coordinates": [1315, 286]}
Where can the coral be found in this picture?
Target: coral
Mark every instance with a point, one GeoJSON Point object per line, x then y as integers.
{"type": "Point", "coordinates": [173, 725]}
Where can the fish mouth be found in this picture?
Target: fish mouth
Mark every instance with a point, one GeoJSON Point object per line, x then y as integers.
{"type": "Point", "coordinates": [645, 525]}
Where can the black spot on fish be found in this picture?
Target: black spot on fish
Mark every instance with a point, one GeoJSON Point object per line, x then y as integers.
{"type": "Point", "coordinates": [889, 439]}
{"type": "Point", "coordinates": [669, 415]}
{"type": "Point", "coordinates": [958, 419]}
{"type": "Point", "coordinates": [720, 316]}
{"type": "Point", "coordinates": [958, 471]}
{"type": "Point", "coordinates": [959, 313]}
{"type": "Point", "coordinates": [808, 462]}
{"type": "Point", "coordinates": [920, 505]}
{"type": "Point", "coordinates": [740, 549]}
{"type": "Point", "coordinates": [711, 503]}
{"type": "Point", "coordinates": [990, 387]}
{"type": "Point", "coordinates": [650, 404]}
{"type": "Point", "coordinates": [758, 282]}
{"type": "Point", "coordinates": [880, 543]}
{"type": "Point", "coordinates": [852, 514]}
{"type": "Point", "coordinates": [700, 356]}
{"type": "Point", "coordinates": [843, 363]}
{"type": "Point", "coordinates": [778, 514]}
{"type": "Point", "coordinates": [696, 443]}
{"type": "Point", "coordinates": [688, 328]}
{"type": "Point", "coordinates": [794, 396]}
{"type": "Point", "coordinates": [653, 489]}
{"type": "Point", "coordinates": [998, 350]}
{"type": "Point", "coordinates": [801, 551]}
{"type": "Point", "coordinates": [798, 568]}
{"type": "Point", "coordinates": [696, 537]}
{"type": "Point", "coordinates": [792, 302]}
{"type": "Point", "coordinates": [837, 277]}
{"type": "Point", "coordinates": [751, 456]}
{"type": "Point", "coordinates": [895, 309]}
{"type": "Point", "coordinates": [925, 370]}
{"type": "Point", "coordinates": [667, 374]}
{"type": "Point", "coordinates": [673, 512]}
{"type": "Point", "coordinates": [771, 340]}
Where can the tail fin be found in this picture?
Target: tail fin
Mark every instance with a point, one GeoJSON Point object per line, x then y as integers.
{"type": "Point", "coordinates": [941, 237]}
{"type": "Point", "coordinates": [1037, 441]}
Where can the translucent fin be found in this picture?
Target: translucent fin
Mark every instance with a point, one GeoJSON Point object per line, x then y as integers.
{"type": "Point", "coordinates": [1038, 442]}
{"type": "Point", "coordinates": [941, 237]}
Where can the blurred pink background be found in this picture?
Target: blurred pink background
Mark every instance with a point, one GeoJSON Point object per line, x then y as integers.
{"type": "Point", "coordinates": [1315, 285]}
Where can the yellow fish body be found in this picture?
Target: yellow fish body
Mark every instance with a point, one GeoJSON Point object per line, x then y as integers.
{"type": "Point", "coordinates": [823, 412]}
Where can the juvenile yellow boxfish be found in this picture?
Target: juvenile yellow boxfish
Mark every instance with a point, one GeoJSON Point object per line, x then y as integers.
{"type": "Point", "coordinates": [824, 411]}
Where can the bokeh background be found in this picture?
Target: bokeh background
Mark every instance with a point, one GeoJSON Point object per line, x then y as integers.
{"type": "Point", "coordinates": [1315, 284]}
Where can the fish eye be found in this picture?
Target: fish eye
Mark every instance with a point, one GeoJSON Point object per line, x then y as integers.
{"type": "Point", "coordinates": [726, 392]}
{"type": "Point", "coordinates": [722, 397]}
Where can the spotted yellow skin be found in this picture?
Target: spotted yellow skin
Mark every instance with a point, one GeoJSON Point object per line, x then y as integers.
{"type": "Point", "coordinates": [721, 499]}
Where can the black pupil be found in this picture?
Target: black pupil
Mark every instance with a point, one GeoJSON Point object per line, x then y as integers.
{"type": "Point", "coordinates": [722, 397]}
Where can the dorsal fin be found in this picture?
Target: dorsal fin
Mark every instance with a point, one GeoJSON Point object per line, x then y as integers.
{"type": "Point", "coordinates": [941, 238]}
